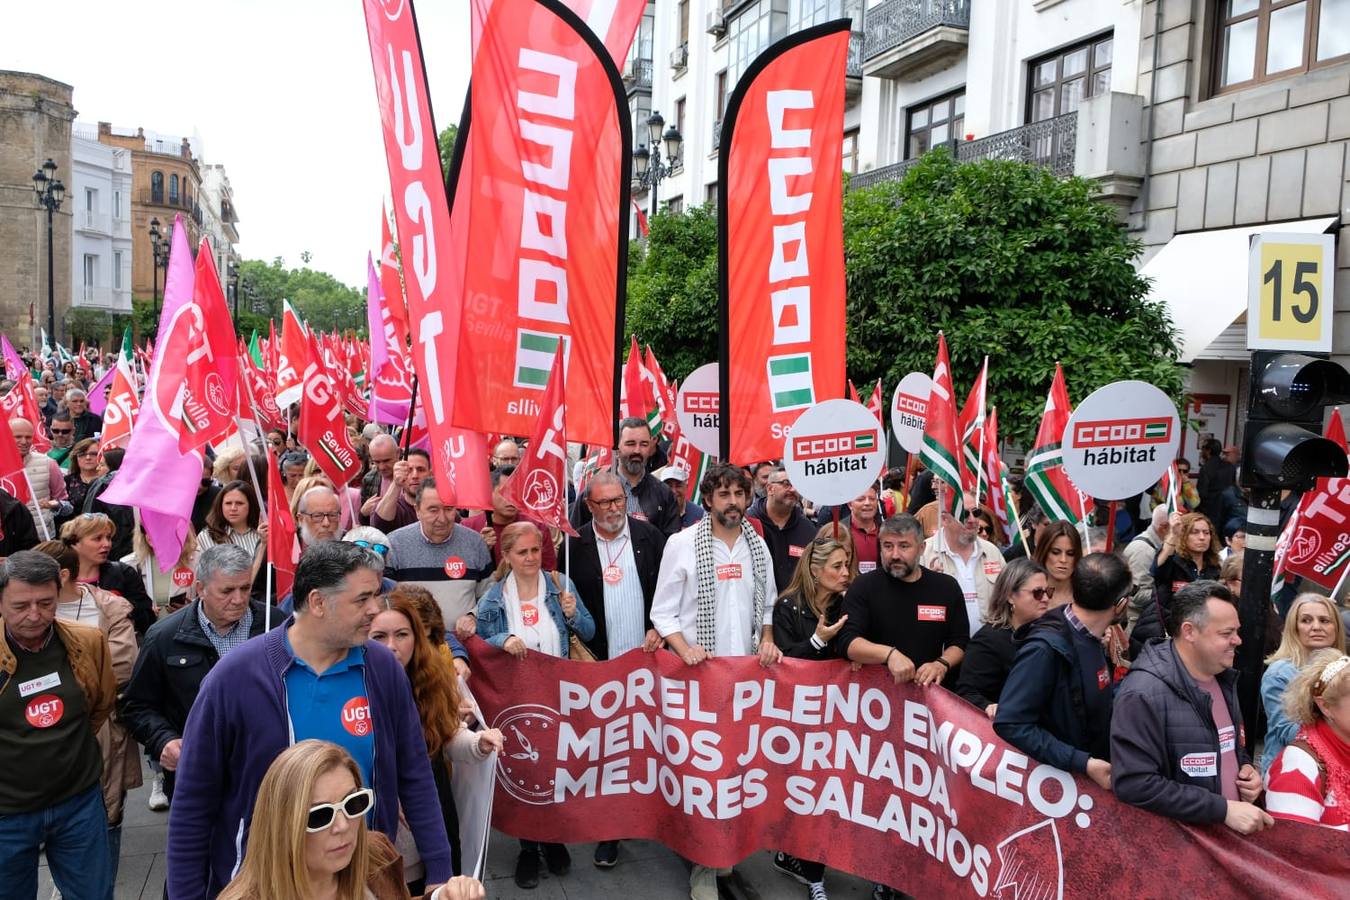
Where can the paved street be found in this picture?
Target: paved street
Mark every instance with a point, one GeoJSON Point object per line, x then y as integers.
{"type": "Point", "coordinates": [646, 870]}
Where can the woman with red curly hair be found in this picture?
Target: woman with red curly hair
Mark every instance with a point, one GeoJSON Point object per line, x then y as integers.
{"type": "Point", "coordinates": [436, 691]}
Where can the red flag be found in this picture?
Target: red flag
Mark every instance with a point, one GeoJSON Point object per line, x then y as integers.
{"type": "Point", "coordinates": [547, 164]}
{"type": "Point", "coordinates": [853, 392]}
{"type": "Point", "coordinates": [639, 391]}
{"type": "Point", "coordinates": [780, 230]}
{"type": "Point", "coordinates": [602, 458]}
{"type": "Point", "coordinates": [21, 403]}
{"type": "Point", "coordinates": [283, 548]}
{"type": "Point", "coordinates": [323, 430]}
{"type": "Point", "coordinates": [538, 487]}
{"type": "Point", "coordinates": [82, 363]}
{"type": "Point", "coordinates": [940, 451]}
{"type": "Point", "coordinates": [665, 395]}
{"type": "Point", "coordinates": [876, 405]}
{"type": "Point", "coordinates": [292, 357]}
{"type": "Point", "coordinates": [390, 282]}
{"type": "Point", "coordinates": [123, 405]}
{"type": "Point", "coordinates": [211, 386]}
{"type": "Point", "coordinates": [994, 472]}
{"type": "Point", "coordinates": [642, 228]}
{"type": "Point", "coordinates": [258, 392]}
{"type": "Point", "coordinates": [13, 476]}
{"type": "Point", "coordinates": [970, 429]}
{"type": "Point", "coordinates": [1046, 479]}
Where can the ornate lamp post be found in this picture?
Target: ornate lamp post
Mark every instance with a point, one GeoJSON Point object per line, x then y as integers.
{"type": "Point", "coordinates": [50, 192]}
{"type": "Point", "coordinates": [649, 166]}
{"type": "Point", "coordinates": [159, 247]}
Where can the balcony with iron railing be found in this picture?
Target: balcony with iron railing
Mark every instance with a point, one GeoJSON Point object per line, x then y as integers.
{"type": "Point", "coordinates": [637, 74]}
{"type": "Point", "coordinates": [856, 41]}
{"type": "Point", "coordinates": [717, 134]}
{"type": "Point", "coordinates": [180, 202]}
{"type": "Point", "coordinates": [914, 38]}
{"type": "Point", "coordinates": [1098, 141]}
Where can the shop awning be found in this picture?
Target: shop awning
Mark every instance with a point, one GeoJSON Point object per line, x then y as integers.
{"type": "Point", "coordinates": [1202, 279]}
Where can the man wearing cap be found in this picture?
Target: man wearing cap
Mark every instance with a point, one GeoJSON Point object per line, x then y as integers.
{"type": "Point", "coordinates": [677, 479]}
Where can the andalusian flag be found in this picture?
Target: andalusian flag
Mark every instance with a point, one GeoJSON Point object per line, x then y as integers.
{"type": "Point", "coordinates": [941, 451]}
{"type": "Point", "coordinates": [1046, 478]}
{"type": "Point", "coordinates": [255, 352]}
{"type": "Point", "coordinates": [638, 398]}
{"type": "Point", "coordinates": [970, 426]}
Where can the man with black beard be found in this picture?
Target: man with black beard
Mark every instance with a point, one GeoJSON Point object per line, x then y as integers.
{"type": "Point", "coordinates": [715, 595]}
{"type": "Point", "coordinates": [645, 498]}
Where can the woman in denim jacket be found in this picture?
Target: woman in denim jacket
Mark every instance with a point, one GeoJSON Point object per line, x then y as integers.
{"type": "Point", "coordinates": [524, 610]}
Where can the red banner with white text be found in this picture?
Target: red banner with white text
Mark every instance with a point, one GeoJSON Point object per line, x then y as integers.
{"type": "Point", "coordinates": [545, 191]}
{"type": "Point", "coordinates": [903, 785]}
{"type": "Point", "coordinates": [780, 227]}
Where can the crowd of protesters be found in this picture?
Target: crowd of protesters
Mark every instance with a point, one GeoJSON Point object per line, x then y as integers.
{"type": "Point", "coordinates": [306, 750]}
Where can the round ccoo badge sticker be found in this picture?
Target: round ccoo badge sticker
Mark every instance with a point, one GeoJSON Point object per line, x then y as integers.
{"type": "Point", "coordinates": [455, 567]}
{"type": "Point", "coordinates": [1120, 440]}
{"type": "Point", "coordinates": [696, 409]}
{"type": "Point", "coordinates": [834, 452]}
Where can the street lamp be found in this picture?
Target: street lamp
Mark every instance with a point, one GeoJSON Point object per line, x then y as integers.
{"type": "Point", "coordinates": [50, 192]}
{"type": "Point", "coordinates": [159, 246]}
{"type": "Point", "coordinates": [649, 166]}
{"type": "Point", "coordinates": [233, 270]}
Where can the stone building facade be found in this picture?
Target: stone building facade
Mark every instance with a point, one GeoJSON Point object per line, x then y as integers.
{"type": "Point", "coordinates": [35, 123]}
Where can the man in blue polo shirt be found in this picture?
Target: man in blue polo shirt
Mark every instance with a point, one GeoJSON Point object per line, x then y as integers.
{"type": "Point", "coordinates": [316, 677]}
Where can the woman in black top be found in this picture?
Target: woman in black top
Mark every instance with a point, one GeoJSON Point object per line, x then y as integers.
{"type": "Point", "coordinates": [1020, 596]}
{"type": "Point", "coordinates": [1190, 553]}
{"type": "Point", "coordinates": [806, 619]}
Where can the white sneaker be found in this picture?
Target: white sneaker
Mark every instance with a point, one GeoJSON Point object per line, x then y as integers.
{"type": "Point", "coordinates": [817, 890]}
{"type": "Point", "coordinates": [159, 801]}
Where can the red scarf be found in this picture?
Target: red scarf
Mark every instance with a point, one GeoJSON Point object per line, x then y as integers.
{"type": "Point", "coordinates": [1334, 754]}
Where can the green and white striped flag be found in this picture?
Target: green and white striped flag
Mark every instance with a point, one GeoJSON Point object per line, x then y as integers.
{"type": "Point", "coordinates": [534, 357]}
{"type": "Point", "coordinates": [790, 383]}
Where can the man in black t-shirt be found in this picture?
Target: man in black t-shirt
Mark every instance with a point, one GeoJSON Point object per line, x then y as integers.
{"type": "Point", "coordinates": [910, 619]}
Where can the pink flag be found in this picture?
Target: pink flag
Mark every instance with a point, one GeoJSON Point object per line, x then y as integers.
{"type": "Point", "coordinates": [154, 476]}
{"type": "Point", "coordinates": [389, 372]}
{"type": "Point", "coordinates": [13, 362]}
{"type": "Point", "coordinates": [97, 402]}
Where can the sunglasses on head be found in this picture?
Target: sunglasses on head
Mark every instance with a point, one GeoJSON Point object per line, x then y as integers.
{"type": "Point", "coordinates": [353, 806]}
{"type": "Point", "coordinates": [379, 548]}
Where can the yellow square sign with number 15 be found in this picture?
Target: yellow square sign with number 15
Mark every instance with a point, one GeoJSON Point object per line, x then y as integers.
{"type": "Point", "coordinates": [1290, 283]}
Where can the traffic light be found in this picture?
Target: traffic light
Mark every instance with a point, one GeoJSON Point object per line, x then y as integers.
{"type": "Point", "coordinates": [1282, 445]}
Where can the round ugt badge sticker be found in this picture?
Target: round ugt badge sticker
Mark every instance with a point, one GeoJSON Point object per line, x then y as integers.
{"type": "Point", "coordinates": [455, 567]}
{"type": "Point", "coordinates": [44, 711]}
{"type": "Point", "coordinates": [356, 717]}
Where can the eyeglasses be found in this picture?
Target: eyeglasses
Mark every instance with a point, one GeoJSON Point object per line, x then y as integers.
{"type": "Point", "coordinates": [1040, 594]}
{"type": "Point", "coordinates": [277, 442]}
{"type": "Point", "coordinates": [609, 503]}
{"type": "Point", "coordinates": [63, 431]}
{"type": "Point", "coordinates": [88, 454]}
{"type": "Point", "coordinates": [325, 517]}
{"type": "Point", "coordinates": [353, 806]}
{"type": "Point", "coordinates": [381, 549]}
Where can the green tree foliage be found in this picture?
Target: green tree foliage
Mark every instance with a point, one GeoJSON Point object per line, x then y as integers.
{"type": "Point", "coordinates": [446, 142]}
{"type": "Point", "coordinates": [1005, 258]}
{"type": "Point", "coordinates": [1011, 262]}
{"type": "Point", "coordinates": [322, 301]}
{"type": "Point", "coordinates": [672, 290]}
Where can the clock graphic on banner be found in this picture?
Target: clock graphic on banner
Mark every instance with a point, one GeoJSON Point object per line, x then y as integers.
{"type": "Point", "coordinates": [525, 768]}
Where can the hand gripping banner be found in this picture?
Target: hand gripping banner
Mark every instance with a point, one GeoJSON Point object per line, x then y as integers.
{"type": "Point", "coordinates": [781, 240]}
{"type": "Point", "coordinates": [903, 785]}
{"type": "Point", "coordinates": [545, 190]}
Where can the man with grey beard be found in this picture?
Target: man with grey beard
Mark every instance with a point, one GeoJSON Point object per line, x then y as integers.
{"type": "Point", "coordinates": [318, 516]}
{"type": "Point", "coordinates": [645, 498]}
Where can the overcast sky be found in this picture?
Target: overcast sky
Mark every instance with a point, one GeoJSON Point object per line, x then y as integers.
{"type": "Point", "coordinates": [280, 91]}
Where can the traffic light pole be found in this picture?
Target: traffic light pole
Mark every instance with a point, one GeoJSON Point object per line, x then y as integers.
{"type": "Point", "coordinates": [1254, 606]}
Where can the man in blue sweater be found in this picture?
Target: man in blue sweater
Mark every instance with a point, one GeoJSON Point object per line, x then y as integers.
{"type": "Point", "coordinates": [1056, 704]}
{"type": "Point", "coordinates": [317, 676]}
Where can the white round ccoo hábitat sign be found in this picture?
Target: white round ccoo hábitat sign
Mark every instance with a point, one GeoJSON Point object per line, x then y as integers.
{"type": "Point", "coordinates": [697, 409]}
{"type": "Point", "coordinates": [1120, 440]}
{"type": "Point", "coordinates": [909, 410]}
{"type": "Point", "coordinates": [835, 451]}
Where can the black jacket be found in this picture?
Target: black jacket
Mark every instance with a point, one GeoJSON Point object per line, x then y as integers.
{"type": "Point", "coordinates": [87, 424]}
{"type": "Point", "coordinates": [1161, 715]}
{"type": "Point", "coordinates": [174, 659]}
{"type": "Point", "coordinates": [124, 581]}
{"type": "Point", "coordinates": [657, 502]}
{"type": "Point", "coordinates": [794, 622]}
{"type": "Point", "coordinates": [798, 533]}
{"type": "Point", "coordinates": [1215, 477]}
{"type": "Point", "coordinates": [587, 573]}
{"type": "Point", "coordinates": [17, 522]}
{"type": "Point", "coordinates": [1056, 703]}
{"type": "Point", "coordinates": [985, 667]}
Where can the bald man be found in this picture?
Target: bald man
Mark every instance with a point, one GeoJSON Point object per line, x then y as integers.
{"type": "Point", "coordinates": [46, 479]}
{"type": "Point", "coordinates": [507, 453]}
{"type": "Point", "coordinates": [383, 454]}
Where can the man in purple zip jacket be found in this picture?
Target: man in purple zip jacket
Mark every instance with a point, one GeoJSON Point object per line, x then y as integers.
{"type": "Point", "coordinates": [315, 677]}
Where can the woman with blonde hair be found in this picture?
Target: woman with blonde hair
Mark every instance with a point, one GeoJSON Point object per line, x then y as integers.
{"type": "Point", "coordinates": [229, 463]}
{"type": "Point", "coordinates": [844, 537]}
{"type": "Point", "coordinates": [525, 610]}
{"type": "Point", "coordinates": [90, 535]}
{"type": "Point", "coordinates": [436, 691]}
{"type": "Point", "coordinates": [1313, 624]}
{"type": "Point", "coordinates": [169, 591]}
{"type": "Point", "coordinates": [309, 839]}
{"type": "Point", "coordinates": [1310, 780]}
{"type": "Point", "coordinates": [1190, 553]}
{"type": "Point", "coordinates": [110, 614]}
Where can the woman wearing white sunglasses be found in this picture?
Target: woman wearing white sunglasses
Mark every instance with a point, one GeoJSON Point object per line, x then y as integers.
{"type": "Point", "coordinates": [311, 810]}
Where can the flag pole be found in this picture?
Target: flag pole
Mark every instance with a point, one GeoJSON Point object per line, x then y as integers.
{"type": "Point", "coordinates": [412, 414]}
{"type": "Point", "coordinates": [1017, 517]}
{"type": "Point", "coordinates": [42, 521]}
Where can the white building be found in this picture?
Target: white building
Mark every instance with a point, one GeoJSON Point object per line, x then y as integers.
{"type": "Point", "coordinates": [1245, 126]}
{"type": "Point", "coordinates": [220, 221]}
{"type": "Point", "coordinates": [100, 197]}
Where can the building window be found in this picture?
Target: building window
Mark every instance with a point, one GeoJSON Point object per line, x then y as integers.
{"type": "Point", "coordinates": [710, 195]}
{"type": "Point", "coordinates": [1060, 81]}
{"type": "Point", "coordinates": [173, 188]}
{"type": "Point", "coordinates": [679, 115]}
{"type": "Point", "coordinates": [117, 205]}
{"type": "Point", "coordinates": [157, 187]}
{"type": "Point", "coordinates": [117, 270]}
{"type": "Point", "coordinates": [1258, 40]}
{"type": "Point", "coordinates": [675, 204]}
{"type": "Point", "coordinates": [851, 152]}
{"type": "Point", "coordinates": [934, 122]}
{"type": "Point", "coordinates": [720, 94]}
{"type": "Point", "coordinates": [805, 13]}
{"type": "Point", "coordinates": [90, 272]}
{"type": "Point", "coordinates": [684, 22]}
{"type": "Point", "coordinates": [750, 32]}
{"type": "Point", "coordinates": [642, 111]}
